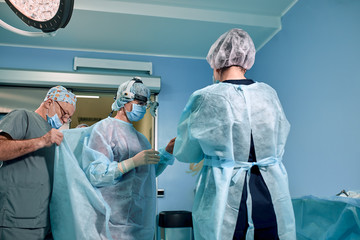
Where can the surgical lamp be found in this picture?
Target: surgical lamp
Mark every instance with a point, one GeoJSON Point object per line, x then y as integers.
{"type": "Point", "coordinates": [46, 15]}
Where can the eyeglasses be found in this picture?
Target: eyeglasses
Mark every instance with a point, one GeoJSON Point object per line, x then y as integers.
{"type": "Point", "coordinates": [64, 114]}
{"type": "Point", "coordinates": [141, 103]}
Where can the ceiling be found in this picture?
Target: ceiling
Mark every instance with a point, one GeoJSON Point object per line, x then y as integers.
{"type": "Point", "coordinates": [185, 28]}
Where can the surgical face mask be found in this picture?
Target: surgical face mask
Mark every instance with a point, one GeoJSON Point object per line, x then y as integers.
{"type": "Point", "coordinates": [54, 121]}
{"type": "Point", "coordinates": [137, 113]}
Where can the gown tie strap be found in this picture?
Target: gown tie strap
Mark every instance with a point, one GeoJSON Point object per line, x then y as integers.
{"type": "Point", "coordinates": [246, 166]}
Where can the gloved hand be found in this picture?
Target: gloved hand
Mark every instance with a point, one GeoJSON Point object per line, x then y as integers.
{"type": "Point", "coordinates": [142, 158]}
{"type": "Point", "coordinates": [146, 157]}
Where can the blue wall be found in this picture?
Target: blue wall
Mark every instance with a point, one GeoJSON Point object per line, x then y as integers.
{"type": "Point", "coordinates": [313, 63]}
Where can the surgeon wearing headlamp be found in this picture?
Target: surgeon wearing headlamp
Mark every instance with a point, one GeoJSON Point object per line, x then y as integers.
{"type": "Point", "coordinates": [127, 179]}
{"type": "Point", "coordinates": [237, 127]}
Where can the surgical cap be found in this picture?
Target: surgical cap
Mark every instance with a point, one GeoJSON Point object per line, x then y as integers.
{"type": "Point", "coordinates": [61, 94]}
{"type": "Point", "coordinates": [233, 48]}
{"type": "Point", "coordinates": [136, 88]}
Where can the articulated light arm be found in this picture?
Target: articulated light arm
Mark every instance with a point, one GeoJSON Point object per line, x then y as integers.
{"type": "Point", "coordinates": [25, 33]}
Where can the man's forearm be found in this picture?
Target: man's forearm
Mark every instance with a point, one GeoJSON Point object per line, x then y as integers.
{"type": "Point", "coordinates": [11, 149]}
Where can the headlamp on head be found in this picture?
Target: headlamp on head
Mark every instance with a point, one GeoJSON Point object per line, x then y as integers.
{"type": "Point", "coordinates": [128, 95]}
{"type": "Point", "coordinates": [128, 92]}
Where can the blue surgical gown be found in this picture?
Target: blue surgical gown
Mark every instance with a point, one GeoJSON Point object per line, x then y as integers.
{"type": "Point", "coordinates": [91, 198]}
{"type": "Point", "coordinates": [216, 125]}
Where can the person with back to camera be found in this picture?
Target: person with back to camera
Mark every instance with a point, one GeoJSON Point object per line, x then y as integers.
{"type": "Point", "coordinates": [26, 155]}
{"type": "Point", "coordinates": [114, 195]}
{"type": "Point", "coordinates": [239, 129]}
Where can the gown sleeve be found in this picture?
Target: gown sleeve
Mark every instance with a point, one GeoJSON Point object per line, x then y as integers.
{"type": "Point", "coordinates": [165, 160]}
{"type": "Point", "coordinates": [205, 131]}
{"type": "Point", "coordinates": [100, 167]}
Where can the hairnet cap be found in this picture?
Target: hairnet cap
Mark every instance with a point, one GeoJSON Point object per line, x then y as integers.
{"type": "Point", "coordinates": [233, 48]}
{"type": "Point", "coordinates": [61, 94]}
{"type": "Point", "coordinates": [136, 88]}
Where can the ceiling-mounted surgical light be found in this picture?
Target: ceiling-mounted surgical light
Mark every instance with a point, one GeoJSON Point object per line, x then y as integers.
{"type": "Point", "coordinates": [46, 15]}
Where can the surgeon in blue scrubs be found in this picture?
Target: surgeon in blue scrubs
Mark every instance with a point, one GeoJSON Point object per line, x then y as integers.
{"type": "Point", "coordinates": [238, 128]}
{"type": "Point", "coordinates": [27, 144]}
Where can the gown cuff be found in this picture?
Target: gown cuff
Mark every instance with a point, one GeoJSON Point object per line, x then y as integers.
{"type": "Point", "coordinates": [165, 157]}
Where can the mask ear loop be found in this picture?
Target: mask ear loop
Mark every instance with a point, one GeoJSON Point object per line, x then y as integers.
{"type": "Point", "coordinates": [53, 107]}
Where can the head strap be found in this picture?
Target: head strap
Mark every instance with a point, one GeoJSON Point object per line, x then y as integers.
{"type": "Point", "coordinates": [129, 95]}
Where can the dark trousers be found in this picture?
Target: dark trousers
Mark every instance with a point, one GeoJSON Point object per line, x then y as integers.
{"type": "Point", "coordinates": [263, 214]}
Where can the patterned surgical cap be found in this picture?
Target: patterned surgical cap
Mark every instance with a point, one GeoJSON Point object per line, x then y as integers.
{"type": "Point", "coordinates": [233, 48]}
{"type": "Point", "coordinates": [61, 94]}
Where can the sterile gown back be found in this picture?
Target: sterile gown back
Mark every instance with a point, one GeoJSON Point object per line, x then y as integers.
{"type": "Point", "coordinates": [216, 125]}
